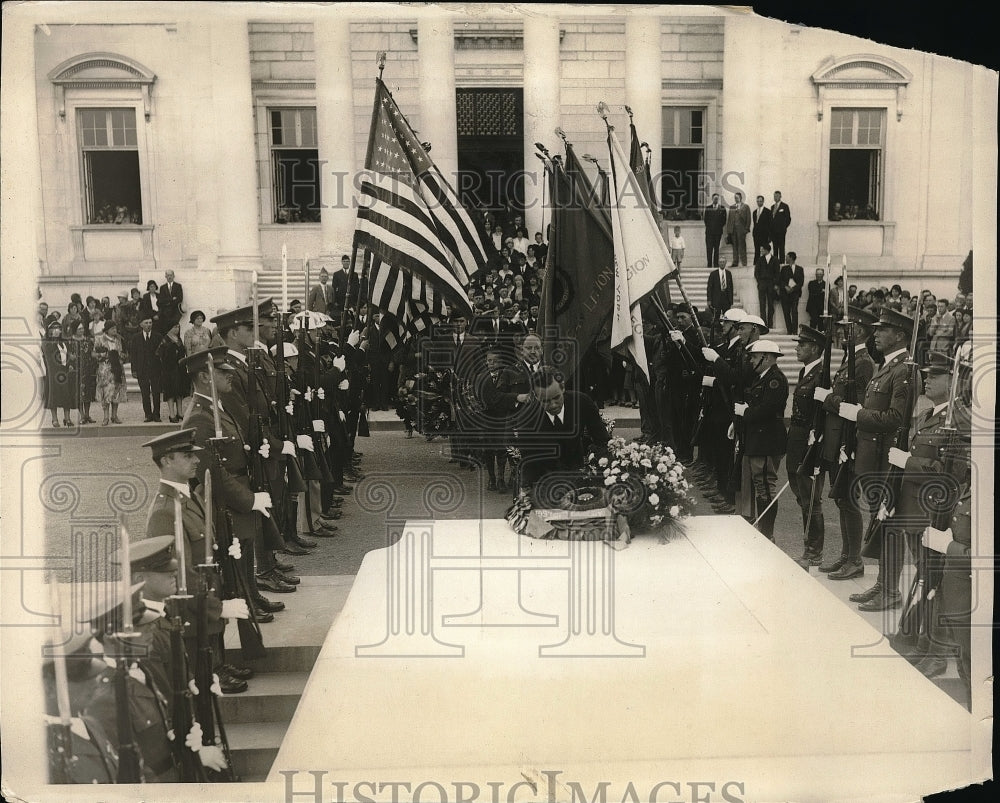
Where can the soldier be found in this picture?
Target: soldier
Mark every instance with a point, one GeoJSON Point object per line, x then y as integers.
{"type": "Point", "coordinates": [765, 437]}
{"type": "Point", "coordinates": [719, 416]}
{"type": "Point", "coordinates": [243, 396]}
{"type": "Point", "coordinates": [923, 466]}
{"type": "Point", "coordinates": [810, 345]}
{"type": "Point", "coordinates": [887, 404]}
{"type": "Point", "coordinates": [175, 455]}
{"type": "Point", "coordinates": [861, 324]}
{"type": "Point", "coordinates": [238, 507]}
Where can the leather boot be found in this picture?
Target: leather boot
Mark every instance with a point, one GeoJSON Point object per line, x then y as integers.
{"type": "Point", "coordinates": [766, 524]}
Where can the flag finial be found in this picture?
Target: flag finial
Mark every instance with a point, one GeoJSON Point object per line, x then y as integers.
{"type": "Point", "coordinates": [380, 62]}
{"type": "Point", "coordinates": [628, 111]}
{"type": "Point", "coordinates": [561, 134]}
{"type": "Point", "coordinates": [603, 110]}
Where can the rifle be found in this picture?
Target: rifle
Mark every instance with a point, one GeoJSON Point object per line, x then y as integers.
{"type": "Point", "coordinates": [706, 393]}
{"type": "Point", "coordinates": [811, 463]}
{"type": "Point", "coordinates": [182, 715]}
{"type": "Point", "coordinates": [849, 432]}
{"type": "Point", "coordinates": [207, 704]}
{"type": "Point", "coordinates": [296, 471]}
{"type": "Point", "coordinates": [736, 473]}
{"type": "Point", "coordinates": [234, 579]}
{"type": "Point", "coordinates": [60, 735]}
{"type": "Point", "coordinates": [129, 760]}
{"type": "Point", "coordinates": [871, 545]}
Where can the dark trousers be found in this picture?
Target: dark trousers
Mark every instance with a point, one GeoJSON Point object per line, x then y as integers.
{"type": "Point", "coordinates": [149, 387]}
{"type": "Point", "coordinates": [790, 309]}
{"type": "Point", "coordinates": [765, 296]}
{"type": "Point", "coordinates": [802, 489]}
{"type": "Point", "coordinates": [712, 242]}
{"type": "Point", "coordinates": [895, 542]}
{"type": "Point", "coordinates": [778, 241]}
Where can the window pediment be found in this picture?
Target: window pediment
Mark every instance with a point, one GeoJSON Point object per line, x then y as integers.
{"type": "Point", "coordinates": [861, 71]}
{"type": "Point", "coordinates": [103, 71]}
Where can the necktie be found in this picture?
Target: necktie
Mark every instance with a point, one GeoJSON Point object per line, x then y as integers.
{"type": "Point", "coordinates": [722, 275]}
{"type": "Point", "coordinates": [802, 373]}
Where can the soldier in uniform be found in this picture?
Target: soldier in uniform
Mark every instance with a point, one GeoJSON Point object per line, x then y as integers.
{"type": "Point", "coordinates": [175, 455]}
{"type": "Point", "coordinates": [243, 396]}
{"type": "Point", "coordinates": [923, 466]}
{"type": "Point", "coordinates": [238, 507]}
{"type": "Point", "coordinates": [849, 563]}
{"type": "Point", "coordinates": [887, 404]}
{"type": "Point", "coordinates": [810, 345]}
{"type": "Point", "coordinates": [765, 436]}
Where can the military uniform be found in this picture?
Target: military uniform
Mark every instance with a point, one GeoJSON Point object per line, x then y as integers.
{"type": "Point", "coordinates": [765, 441]}
{"type": "Point", "coordinates": [955, 602]}
{"type": "Point", "coordinates": [802, 420]}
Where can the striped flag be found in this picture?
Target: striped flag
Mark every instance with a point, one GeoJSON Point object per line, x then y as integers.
{"type": "Point", "coordinates": [641, 257]}
{"type": "Point", "coordinates": [409, 215]}
{"type": "Point", "coordinates": [409, 304]}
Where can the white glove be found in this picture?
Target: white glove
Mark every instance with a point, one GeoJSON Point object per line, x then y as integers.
{"type": "Point", "coordinates": [731, 433]}
{"type": "Point", "coordinates": [212, 757]}
{"type": "Point", "coordinates": [320, 393]}
{"type": "Point", "coordinates": [305, 442]}
{"type": "Point", "coordinates": [740, 408]}
{"type": "Point", "coordinates": [342, 416]}
{"type": "Point", "coordinates": [235, 552]}
{"type": "Point", "coordinates": [261, 502]}
{"type": "Point", "coordinates": [884, 513]}
{"type": "Point", "coordinates": [216, 687]}
{"type": "Point", "coordinates": [319, 425]}
{"type": "Point", "coordinates": [849, 411]}
{"type": "Point", "coordinates": [193, 739]}
{"type": "Point", "coordinates": [344, 385]}
{"type": "Point", "coordinates": [708, 381]}
{"type": "Point", "coordinates": [842, 457]}
{"type": "Point", "coordinates": [820, 394]}
{"type": "Point", "coordinates": [898, 458]}
{"type": "Point", "coordinates": [709, 354]}
{"type": "Point", "coordinates": [264, 450]}
{"type": "Point", "coordinates": [193, 687]}
{"type": "Point", "coordinates": [290, 408]}
{"type": "Point", "coordinates": [812, 437]}
{"type": "Point", "coordinates": [340, 363]}
{"type": "Point", "coordinates": [287, 447]}
{"type": "Point", "coordinates": [676, 336]}
{"type": "Point", "coordinates": [354, 338]}
{"type": "Point", "coordinates": [235, 608]}
{"type": "Point", "coordinates": [308, 395]}
{"type": "Point", "coordinates": [938, 540]}
{"type": "Point", "coordinates": [293, 392]}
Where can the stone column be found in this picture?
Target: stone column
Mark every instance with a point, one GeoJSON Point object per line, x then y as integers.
{"type": "Point", "coordinates": [337, 145]}
{"type": "Point", "coordinates": [541, 108]}
{"type": "Point", "coordinates": [236, 169]}
{"type": "Point", "coordinates": [438, 115]}
{"type": "Point", "coordinates": [643, 85]}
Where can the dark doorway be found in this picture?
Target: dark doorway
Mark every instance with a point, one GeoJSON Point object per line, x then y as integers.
{"type": "Point", "coordinates": [491, 151]}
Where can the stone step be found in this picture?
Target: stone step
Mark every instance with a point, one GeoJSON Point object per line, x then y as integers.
{"type": "Point", "coordinates": [271, 697]}
{"type": "Point", "coordinates": [254, 746]}
{"type": "Point", "coordinates": [278, 659]}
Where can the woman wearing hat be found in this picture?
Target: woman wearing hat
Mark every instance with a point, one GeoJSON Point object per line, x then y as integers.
{"type": "Point", "coordinates": [174, 381]}
{"type": "Point", "coordinates": [110, 379]}
{"type": "Point", "coordinates": [83, 345]}
{"type": "Point", "coordinates": [60, 373]}
{"type": "Point", "coordinates": [198, 336]}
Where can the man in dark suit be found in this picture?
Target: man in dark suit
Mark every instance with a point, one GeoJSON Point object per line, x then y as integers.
{"type": "Point", "coordinates": [715, 224]}
{"type": "Point", "coordinates": [339, 282]}
{"type": "Point", "coordinates": [781, 219]}
{"type": "Point", "coordinates": [146, 368]}
{"type": "Point", "coordinates": [737, 226]}
{"type": "Point", "coordinates": [566, 426]}
{"type": "Point", "coordinates": [790, 282]}
{"type": "Point", "coordinates": [321, 295]}
{"type": "Point", "coordinates": [720, 288]}
{"type": "Point", "coordinates": [761, 227]}
{"type": "Point", "coordinates": [170, 300]}
{"type": "Point", "coordinates": [765, 437]}
{"type": "Point", "coordinates": [816, 298]}
{"type": "Point", "coordinates": [766, 272]}
{"type": "Point", "coordinates": [380, 364]}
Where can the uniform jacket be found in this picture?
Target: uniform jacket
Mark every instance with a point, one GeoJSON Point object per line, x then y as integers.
{"type": "Point", "coordinates": [833, 429]}
{"type": "Point", "coordinates": [803, 415]}
{"type": "Point", "coordinates": [885, 408]}
{"type": "Point", "coordinates": [764, 426]}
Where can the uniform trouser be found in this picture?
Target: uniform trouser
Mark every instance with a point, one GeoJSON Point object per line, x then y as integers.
{"type": "Point", "coordinates": [895, 541]}
{"type": "Point", "coordinates": [662, 393]}
{"type": "Point", "coordinates": [723, 455]}
{"type": "Point", "coordinates": [802, 489]}
{"type": "Point", "coordinates": [759, 485]}
{"type": "Point", "coordinates": [648, 418]}
{"type": "Point", "coordinates": [851, 529]}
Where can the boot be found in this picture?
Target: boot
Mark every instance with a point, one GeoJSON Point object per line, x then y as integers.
{"type": "Point", "coordinates": [826, 568]}
{"type": "Point", "coordinates": [766, 523]}
{"type": "Point", "coordinates": [871, 593]}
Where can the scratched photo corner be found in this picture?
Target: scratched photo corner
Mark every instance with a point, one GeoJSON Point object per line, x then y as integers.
{"type": "Point", "coordinates": [427, 584]}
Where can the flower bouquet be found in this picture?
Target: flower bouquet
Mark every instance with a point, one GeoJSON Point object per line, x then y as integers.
{"type": "Point", "coordinates": [645, 481]}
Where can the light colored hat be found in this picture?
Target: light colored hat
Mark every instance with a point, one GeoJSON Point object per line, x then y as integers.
{"type": "Point", "coordinates": [757, 321]}
{"type": "Point", "coordinates": [764, 347]}
{"type": "Point", "coordinates": [734, 315]}
{"type": "Point", "coordinates": [289, 350]}
{"type": "Point", "coordinates": [309, 319]}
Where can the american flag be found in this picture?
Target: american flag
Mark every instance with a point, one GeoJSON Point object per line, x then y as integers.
{"type": "Point", "coordinates": [409, 215]}
{"type": "Point", "coordinates": [410, 305]}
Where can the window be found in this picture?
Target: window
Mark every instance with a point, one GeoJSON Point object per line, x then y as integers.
{"type": "Point", "coordinates": [296, 166]}
{"type": "Point", "coordinates": [110, 152]}
{"type": "Point", "coordinates": [683, 161]}
{"type": "Point", "coordinates": [857, 138]}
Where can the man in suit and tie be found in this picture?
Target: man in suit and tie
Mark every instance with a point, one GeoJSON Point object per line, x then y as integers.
{"type": "Point", "coordinates": [720, 288]}
{"type": "Point", "coordinates": [321, 295]}
{"type": "Point", "coordinates": [766, 273]}
{"type": "Point", "coordinates": [761, 223]}
{"type": "Point", "coordinates": [339, 282]}
{"type": "Point", "coordinates": [566, 426]}
{"type": "Point", "coordinates": [737, 226]}
{"type": "Point", "coordinates": [170, 300]}
{"type": "Point", "coordinates": [781, 219]}
{"type": "Point", "coordinates": [146, 368]}
{"type": "Point", "coordinates": [790, 281]}
{"type": "Point", "coordinates": [715, 224]}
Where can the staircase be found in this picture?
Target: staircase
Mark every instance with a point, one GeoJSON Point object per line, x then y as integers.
{"type": "Point", "coordinates": [257, 719]}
